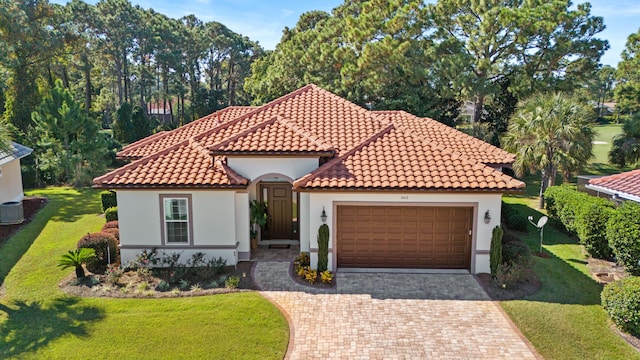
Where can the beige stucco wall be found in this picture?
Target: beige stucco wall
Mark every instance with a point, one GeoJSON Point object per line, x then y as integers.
{"type": "Point", "coordinates": [213, 215]}
{"type": "Point", "coordinates": [11, 182]}
{"type": "Point", "coordinates": [329, 200]}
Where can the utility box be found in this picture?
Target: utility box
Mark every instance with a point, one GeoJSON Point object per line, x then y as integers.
{"type": "Point", "coordinates": [11, 213]}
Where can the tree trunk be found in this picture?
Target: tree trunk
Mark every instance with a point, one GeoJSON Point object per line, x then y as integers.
{"type": "Point", "coordinates": [478, 107]}
{"type": "Point", "coordinates": [87, 83]}
{"type": "Point", "coordinates": [79, 272]}
{"type": "Point", "coordinates": [543, 187]}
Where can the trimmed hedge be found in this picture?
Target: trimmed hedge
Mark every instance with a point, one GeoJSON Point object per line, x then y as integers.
{"type": "Point", "coordinates": [623, 234]}
{"type": "Point", "coordinates": [108, 199]}
{"type": "Point", "coordinates": [111, 214]}
{"type": "Point", "coordinates": [100, 242]}
{"type": "Point", "coordinates": [113, 231]}
{"type": "Point", "coordinates": [110, 225]}
{"type": "Point", "coordinates": [495, 255]}
{"type": "Point", "coordinates": [582, 215]}
{"type": "Point", "coordinates": [512, 218]}
{"type": "Point", "coordinates": [621, 301]}
{"type": "Point", "coordinates": [514, 249]}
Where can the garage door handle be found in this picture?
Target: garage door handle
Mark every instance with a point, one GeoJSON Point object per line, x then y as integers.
{"type": "Point", "coordinates": [470, 233]}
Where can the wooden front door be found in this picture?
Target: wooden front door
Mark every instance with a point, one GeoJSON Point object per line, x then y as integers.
{"type": "Point", "coordinates": [280, 209]}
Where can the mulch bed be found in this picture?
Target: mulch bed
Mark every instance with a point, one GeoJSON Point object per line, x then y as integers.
{"type": "Point", "coordinates": [316, 285]}
{"type": "Point", "coordinates": [130, 281]}
{"type": "Point", "coordinates": [31, 206]}
{"type": "Point", "coordinates": [520, 291]}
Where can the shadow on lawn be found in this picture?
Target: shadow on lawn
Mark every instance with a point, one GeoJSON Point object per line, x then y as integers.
{"type": "Point", "coordinates": [561, 282]}
{"type": "Point", "coordinates": [27, 327]}
{"type": "Point", "coordinates": [72, 205]}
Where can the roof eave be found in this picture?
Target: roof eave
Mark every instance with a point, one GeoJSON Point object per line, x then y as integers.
{"type": "Point", "coordinates": [421, 190]}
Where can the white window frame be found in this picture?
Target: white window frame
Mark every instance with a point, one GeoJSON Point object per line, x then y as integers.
{"type": "Point", "coordinates": [166, 199]}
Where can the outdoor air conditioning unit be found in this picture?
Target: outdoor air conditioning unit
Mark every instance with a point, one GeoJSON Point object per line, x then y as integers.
{"type": "Point", "coordinates": [11, 213]}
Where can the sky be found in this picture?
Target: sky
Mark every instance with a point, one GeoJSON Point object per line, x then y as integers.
{"type": "Point", "coordinates": [264, 20]}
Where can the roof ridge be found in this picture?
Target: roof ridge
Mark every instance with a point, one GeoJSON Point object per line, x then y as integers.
{"type": "Point", "coordinates": [298, 130]}
{"type": "Point", "coordinates": [241, 134]}
{"type": "Point", "coordinates": [360, 146]}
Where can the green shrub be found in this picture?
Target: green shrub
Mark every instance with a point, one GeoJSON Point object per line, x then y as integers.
{"type": "Point", "coordinates": [623, 234]}
{"type": "Point", "coordinates": [105, 245]}
{"type": "Point", "coordinates": [232, 282]}
{"type": "Point", "coordinates": [513, 249]}
{"type": "Point", "coordinates": [108, 199]}
{"type": "Point", "coordinates": [323, 247]}
{"type": "Point", "coordinates": [556, 197]}
{"type": "Point", "coordinates": [75, 259]}
{"type": "Point", "coordinates": [591, 226]}
{"type": "Point", "coordinates": [621, 301]}
{"type": "Point", "coordinates": [110, 225]}
{"type": "Point", "coordinates": [512, 218]}
{"type": "Point", "coordinates": [495, 255]}
{"type": "Point", "coordinates": [111, 214]}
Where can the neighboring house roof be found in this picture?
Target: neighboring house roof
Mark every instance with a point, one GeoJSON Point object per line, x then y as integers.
{"type": "Point", "coordinates": [373, 150]}
{"type": "Point", "coordinates": [16, 151]}
{"type": "Point", "coordinates": [625, 185]}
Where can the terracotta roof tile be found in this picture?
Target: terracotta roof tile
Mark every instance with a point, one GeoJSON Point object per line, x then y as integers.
{"type": "Point", "coordinates": [186, 164]}
{"type": "Point", "coordinates": [626, 182]}
{"type": "Point", "coordinates": [394, 159]}
{"type": "Point", "coordinates": [437, 132]}
{"type": "Point", "coordinates": [162, 140]}
{"type": "Point", "coordinates": [272, 136]}
{"type": "Point", "coordinates": [382, 150]}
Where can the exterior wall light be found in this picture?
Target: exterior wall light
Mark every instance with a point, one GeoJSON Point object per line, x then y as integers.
{"type": "Point", "coordinates": [323, 216]}
{"type": "Point", "coordinates": [487, 217]}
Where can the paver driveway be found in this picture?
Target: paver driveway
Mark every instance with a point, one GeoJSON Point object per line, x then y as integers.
{"type": "Point", "coordinates": [391, 316]}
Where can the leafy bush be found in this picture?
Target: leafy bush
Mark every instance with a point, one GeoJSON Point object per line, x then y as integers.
{"type": "Point", "coordinates": [108, 199]}
{"type": "Point", "coordinates": [495, 256]}
{"type": "Point", "coordinates": [323, 247]}
{"type": "Point", "coordinates": [232, 282]}
{"type": "Point", "coordinates": [591, 225]}
{"type": "Point", "coordinates": [623, 234]}
{"type": "Point", "coordinates": [110, 225]}
{"type": "Point", "coordinates": [513, 249]}
{"type": "Point", "coordinates": [509, 275]}
{"type": "Point", "coordinates": [111, 214]}
{"type": "Point", "coordinates": [113, 274]}
{"type": "Point", "coordinates": [583, 215]}
{"type": "Point", "coordinates": [621, 301]}
{"type": "Point", "coordinates": [106, 248]}
{"type": "Point", "coordinates": [513, 219]}
{"type": "Point", "coordinates": [326, 277]}
{"type": "Point", "coordinates": [113, 231]}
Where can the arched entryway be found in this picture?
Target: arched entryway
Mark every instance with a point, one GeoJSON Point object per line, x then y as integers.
{"type": "Point", "coordinates": [282, 226]}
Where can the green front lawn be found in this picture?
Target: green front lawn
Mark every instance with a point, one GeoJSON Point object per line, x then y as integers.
{"type": "Point", "coordinates": [39, 321]}
{"type": "Point", "coordinates": [564, 319]}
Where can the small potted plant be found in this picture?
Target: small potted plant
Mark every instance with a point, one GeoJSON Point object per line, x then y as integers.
{"type": "Point", "coordinates": [258, 219]}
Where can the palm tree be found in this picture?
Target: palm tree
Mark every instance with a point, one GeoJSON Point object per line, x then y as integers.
{"type": "Point", "coordinates": [626, 146]}
{"type": "Point", "coordinates": [76, 259]}
{"type": "Point", "coordinates": [550, 133]}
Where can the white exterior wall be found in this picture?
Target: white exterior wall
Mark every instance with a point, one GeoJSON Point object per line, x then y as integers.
{"type": "Point", "coordinates": [215, 232]}
{"type": "Point", "coordinates": [11, 182]}
{"type": "Point", "coordinates": [481, 240]}
{"type": "Point", "coordinates": [253, 167]}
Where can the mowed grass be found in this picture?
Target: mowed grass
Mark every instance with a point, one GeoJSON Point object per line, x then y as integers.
{"type": "Point", "coordinates": [603, 140]}
{"type": "Point", "coordinates": [38, 321]}
{"type": "Point", "coordinates": [564, 319]}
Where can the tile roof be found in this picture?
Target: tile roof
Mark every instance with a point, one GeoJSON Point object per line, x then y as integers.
{"type": "Point", "coordinates": [275, 136]}
{"type": "Point", "coordinates": [373, 150]}
{"type": "Point", "coordinates": [626, 182]}
{"type": "Point", "coordinates": [186, 164]}
{"type": "Point", "coordinates": [16, 151]}
{"type": "Point", "coordinates": [437, 132]}
{"type": "Point", "coordinates": [162, 140]}
{"type": "Point", "coordinates": [396, 159]}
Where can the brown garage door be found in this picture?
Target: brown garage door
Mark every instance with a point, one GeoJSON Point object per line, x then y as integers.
{"type": "Point", "coordinates": [404, 237]}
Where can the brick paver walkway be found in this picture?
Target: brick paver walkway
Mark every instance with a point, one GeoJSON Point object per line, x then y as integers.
{"type": "Point", "coordinates": [391, 316]}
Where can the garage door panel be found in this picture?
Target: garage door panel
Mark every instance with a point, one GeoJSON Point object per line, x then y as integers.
{"type": "Point", "coordinates": [404, 236]}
